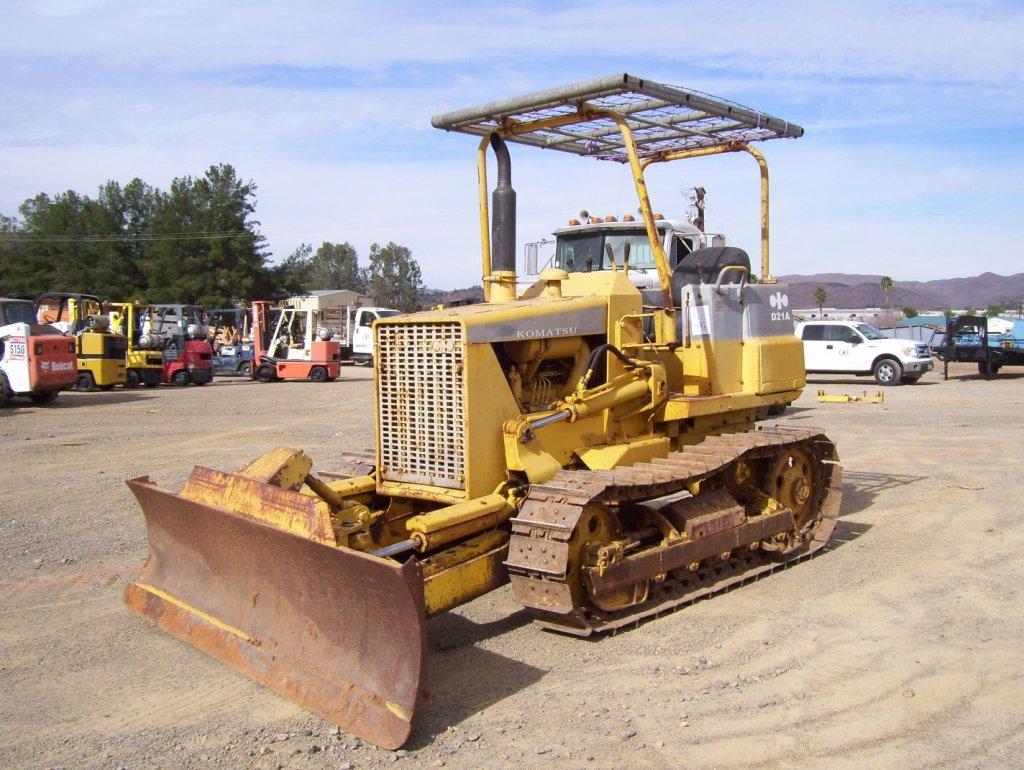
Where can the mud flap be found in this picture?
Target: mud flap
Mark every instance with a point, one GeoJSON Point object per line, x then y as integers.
{"type": "Point", "coordinates": [339, 632]}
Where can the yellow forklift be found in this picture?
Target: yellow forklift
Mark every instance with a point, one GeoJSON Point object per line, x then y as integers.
{"type": "Point", "coordinates": [100, 350]}
{"type": "Point", "coordinates": [144, 358]}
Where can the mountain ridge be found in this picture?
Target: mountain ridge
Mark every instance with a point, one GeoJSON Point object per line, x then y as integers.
{"type": "Point", "coordinates": [854, 290]}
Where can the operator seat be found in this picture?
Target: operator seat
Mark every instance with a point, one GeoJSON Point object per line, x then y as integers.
{"type": "Point", "coordinates": [704, 265]}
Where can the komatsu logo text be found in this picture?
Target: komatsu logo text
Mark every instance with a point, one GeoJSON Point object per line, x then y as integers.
{"type": "Point", "coordinates": [557, 331]}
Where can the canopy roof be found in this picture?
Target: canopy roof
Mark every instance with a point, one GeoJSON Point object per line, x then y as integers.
{"type": "Point", "coordinates": [662, 118]}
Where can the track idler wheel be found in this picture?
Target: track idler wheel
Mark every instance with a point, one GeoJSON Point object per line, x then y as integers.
{"type": "Point", "coordinates": [792, 483]}
{"type": "Point", "coordinates": [597, 540]}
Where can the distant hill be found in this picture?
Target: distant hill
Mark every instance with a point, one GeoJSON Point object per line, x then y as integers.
{"type": "Point", "coordinates": [845, 290]}
{"type": "Point", "coordinates": [852, 290]}
{"type": "Point", "coordinates": [431, 297]}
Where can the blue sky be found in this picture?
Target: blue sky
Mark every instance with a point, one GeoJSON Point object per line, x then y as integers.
{"type": "Point", "coordinates": [911, 163]}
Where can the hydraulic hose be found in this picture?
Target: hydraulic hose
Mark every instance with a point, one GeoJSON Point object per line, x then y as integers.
{"type": "Point", "coordinates": [595, 356]}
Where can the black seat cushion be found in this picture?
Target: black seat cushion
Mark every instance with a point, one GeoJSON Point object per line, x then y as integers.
{"type": "Point", "coordinates": [704, 265]}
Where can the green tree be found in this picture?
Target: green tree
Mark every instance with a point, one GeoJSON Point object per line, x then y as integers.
{"type": "Point", "coordinates": [333, 266]}
{"type": "Point", "coordinates": [196, 243]}
{"type": "Point", "coordinates": [886, 283]}
{"type": "Point", "coordinates": [909, 312]}
{"type": "Point", "coordinates": [394, 277]}
{"type": "Point", "coordinates": [994, 310]}
{"type": "Point", "coordinates": [947, 313]}
{"type": "Point", "coordinates": [12, 256]}
{"type": "Point", "coordinates": [206, 248]}
{"type": "Point", "coordinates": [819, 299]}
{"type": "Point", "coordinates": [69, 242]}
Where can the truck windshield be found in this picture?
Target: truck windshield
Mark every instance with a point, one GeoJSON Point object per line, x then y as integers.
{"type": "Point", "coordinates": [581, 252]}
{"type": "Point", "coordinates": [17, 313]}
{"type": "Point", "coordinates": [387, 313]}
{"type": "Point", "coordinates": [870, 332]}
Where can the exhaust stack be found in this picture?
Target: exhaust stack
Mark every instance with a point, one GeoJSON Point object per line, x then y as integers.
{"type": "Point", "coordinates": [503, 227]}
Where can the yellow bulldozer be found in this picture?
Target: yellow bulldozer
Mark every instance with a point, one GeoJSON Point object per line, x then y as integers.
{"type": "Point", "coordinates": [588, 439]}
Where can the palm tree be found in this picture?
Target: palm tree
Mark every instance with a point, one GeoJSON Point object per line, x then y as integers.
{"type": "Point", "coordinates": [886, 288]}
{"type": "Point", "coordinates": [819, 299]}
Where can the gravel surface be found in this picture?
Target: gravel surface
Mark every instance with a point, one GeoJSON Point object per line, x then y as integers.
{"type": "Point", "coordinates": [901, 644]}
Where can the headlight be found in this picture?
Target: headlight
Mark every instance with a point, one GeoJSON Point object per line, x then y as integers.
{"type": "Point", "coordinates": [910, 352]}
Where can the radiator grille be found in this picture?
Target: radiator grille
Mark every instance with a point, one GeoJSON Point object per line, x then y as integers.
{"type": "Point", "coordinates": [421, 403]}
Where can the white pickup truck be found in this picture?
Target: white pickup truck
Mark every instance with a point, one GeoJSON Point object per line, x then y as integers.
{"type": "Point", "coordinates": [839, 347]}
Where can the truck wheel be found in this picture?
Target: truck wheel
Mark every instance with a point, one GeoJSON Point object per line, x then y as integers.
{"type": "Point", "coordinates": [318, 374]}
{"type": "Point", "coordinates": [132, 379]}
{"type": "Point", "coordinates": [181, 378]}
{"type": "Point", "coordinates": [888, 372]}
{"type": "Point", "coordinates": [245, 368]}
{"type": "Point", "coordinates": [46, 397]}
{"type": "Point", "coordinates": [5, 390]}
{"type": "Point", "coordinates": [992, 368]}
{"type": "Point", "coordinates": [266, 373]}
{"type": "Point", "coordinates": [85, 382]}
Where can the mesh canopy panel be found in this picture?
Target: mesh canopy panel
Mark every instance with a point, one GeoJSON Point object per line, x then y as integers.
{"type": "Point", "coordinates": [662, 118]}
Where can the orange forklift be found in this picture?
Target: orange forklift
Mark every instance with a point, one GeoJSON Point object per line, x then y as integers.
{"type": "Point", "coordinates": [296, 348]}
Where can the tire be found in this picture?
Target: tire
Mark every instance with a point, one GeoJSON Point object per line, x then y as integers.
{"type": "Point", "coordinates": [888, 371]}
{"type": "Point", "coordinates": [993, 368]}
{"type": "Point", "coordinates": [266, 373]}
{"type": "Point", "coordinates": [318, 374]}
{"type": "Point", "coordinates": [132, 379]}
{"type": "Point", "coordinates": [245, 368]}
{"type": "Point", "coordinates": [181, 378]}
{"type": "Point", "coordinates": [5, 390]}
{"type": "Point", "coordinates": [46, 397]}
{"type": "Point", "coordinates": [85, 382]}
{"type": "Point", "coordinates": [910, 379]}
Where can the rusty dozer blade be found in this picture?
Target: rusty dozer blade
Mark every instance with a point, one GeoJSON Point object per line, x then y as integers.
{"type": "Point", "coordinates": [339, 632]}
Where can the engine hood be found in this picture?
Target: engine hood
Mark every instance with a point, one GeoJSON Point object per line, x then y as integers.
{"type": "Point", "coordinates": [529, 319]}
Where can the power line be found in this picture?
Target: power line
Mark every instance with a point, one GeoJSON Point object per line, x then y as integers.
{"type": "Point", "coordinates": [115, 238]}
{"type": "Point", "coordinates": [225, 234]}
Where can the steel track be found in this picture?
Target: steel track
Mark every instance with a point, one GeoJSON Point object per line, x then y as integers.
{"type": "Point", "coordinates": [539, 550]}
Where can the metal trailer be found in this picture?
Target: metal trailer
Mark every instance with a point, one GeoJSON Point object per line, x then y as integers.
{"type": "Point", "coordinates": [967, 339]}
{"type": "Point", "coordinates": [919, 333]}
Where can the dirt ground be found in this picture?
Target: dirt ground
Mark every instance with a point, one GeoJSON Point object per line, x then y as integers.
{"type": "Point", "coordinates": [902, 644]}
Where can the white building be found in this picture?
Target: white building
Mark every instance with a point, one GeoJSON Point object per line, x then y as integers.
{"type": "Point", "coordinates": [872, 315]}
{"type": "Point", "coordinates": [326, 298]}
